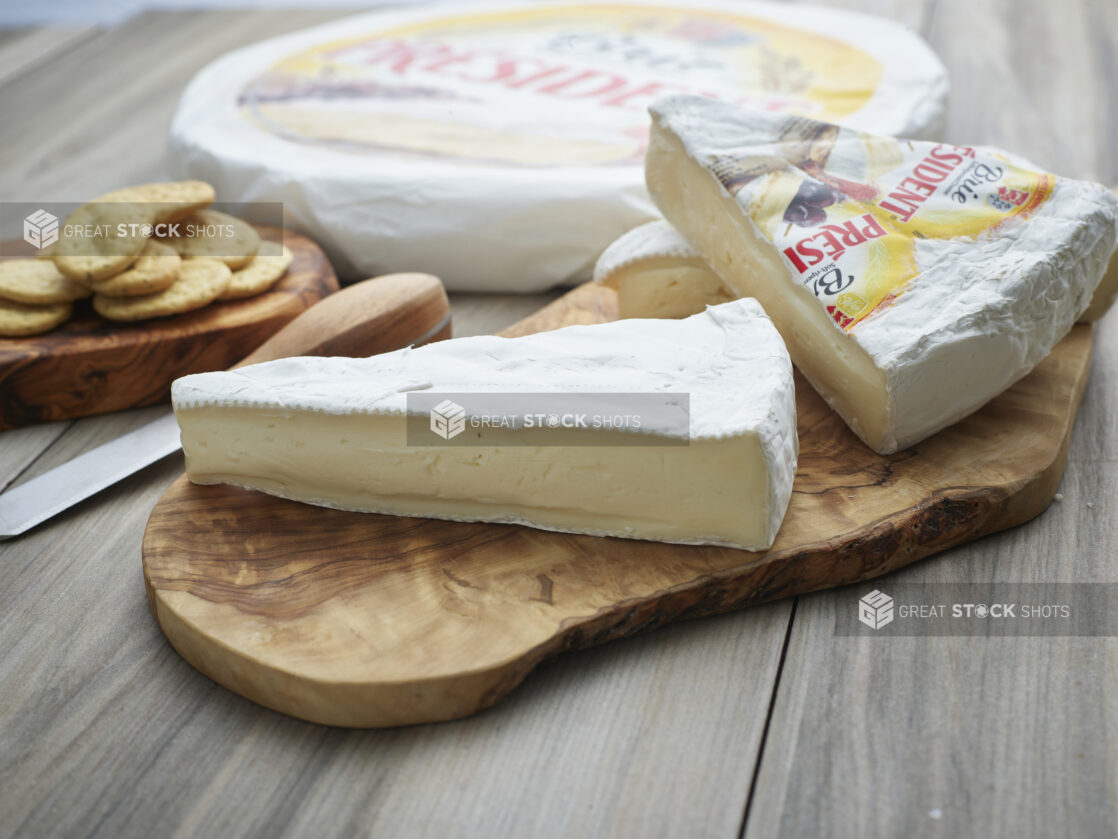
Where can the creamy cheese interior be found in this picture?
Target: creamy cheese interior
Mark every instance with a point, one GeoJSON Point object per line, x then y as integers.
{"type": "Point", "coordinates": [693, 200]}
{"type": "Point", "coordinates": [668, 288]}
{"type": "Point", "coordinates": [712, 490]}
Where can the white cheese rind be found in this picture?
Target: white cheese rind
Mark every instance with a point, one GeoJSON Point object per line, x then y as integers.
{"type": "Point", "coordinates": [947, 351]}
{"type": "Point", "coordinates": [482, 225]}
{"type": "Point", "coordinates": [980, 314]}
{"type": "Point", "coordinates": [328, 431]}
{"type": "Point", "coordinates": [655, 240]}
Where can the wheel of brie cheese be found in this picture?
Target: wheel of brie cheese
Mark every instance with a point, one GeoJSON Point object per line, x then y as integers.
{"type": "Point", "coordinates": [500, 146]}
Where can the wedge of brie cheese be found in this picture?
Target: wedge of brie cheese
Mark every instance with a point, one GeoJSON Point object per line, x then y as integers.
{"type": "Point", "coordinates": [657, 274]}
{"type": "Point", "coordinates": [335, 431]}
{"type": "Point", "coordinates": [911, 281]}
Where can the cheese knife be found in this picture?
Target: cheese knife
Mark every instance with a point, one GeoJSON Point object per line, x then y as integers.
{"type": "Point", "coordinates": [369, 317]}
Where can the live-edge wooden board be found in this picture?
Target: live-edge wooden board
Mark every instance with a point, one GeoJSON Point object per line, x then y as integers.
{"type": "Point", "coordinates": [361, 620]}
{"type": "Point", "coordinates": [93, 366]}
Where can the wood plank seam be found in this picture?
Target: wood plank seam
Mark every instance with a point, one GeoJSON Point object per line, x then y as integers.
{"type": "Point", "coordinates": [768, 720]}
{"type": "Point", "coordinates": [62, 433]}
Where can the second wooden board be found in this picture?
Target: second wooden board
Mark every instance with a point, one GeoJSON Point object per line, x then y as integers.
{"type": "Point", "coordinates": [364, 620]}
{"type": "Point", "coordinates": [93, 366]}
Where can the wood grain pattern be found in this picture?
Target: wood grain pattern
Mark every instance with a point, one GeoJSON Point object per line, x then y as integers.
{"type": "Point", "coordinates": [364, 620]}
{"type": "Point", "coordinates": [22, 51]}
{"type": "Point", "coordinates": [93, 366]}
{"type": "Point", "coordinates": [377, 315]}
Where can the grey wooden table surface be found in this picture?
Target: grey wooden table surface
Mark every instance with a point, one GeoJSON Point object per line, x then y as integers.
{"type": "Point", "coordinates": [760, 723]}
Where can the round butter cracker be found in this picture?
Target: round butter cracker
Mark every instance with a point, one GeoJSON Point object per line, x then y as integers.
{"type": "Point", "coordinates": [156, 268]}
{"type": "Point", "coordinates": [261, 274]}
{"type": "Point", "coordinates": [37, 282]}
{"type": "Point", "coordinates": [18, 319]}
{"type": "Point", "coordinates": [216, 235]}
{"type": "Point", "coordinates": [171, 200]}
{"type": "Point", "coordinates": [106, 238]}
{"type": "Point", "coordinates": [200, 282]}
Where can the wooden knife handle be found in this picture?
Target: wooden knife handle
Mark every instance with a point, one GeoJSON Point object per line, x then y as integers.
{"type": "Point", "coordinates": [369, 317]}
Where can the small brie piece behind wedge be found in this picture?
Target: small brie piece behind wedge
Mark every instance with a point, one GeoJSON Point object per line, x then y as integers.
{"type": "Point", "coordinates": [335, 431]}
{"type": "Point", "coordinates": [657, 274]}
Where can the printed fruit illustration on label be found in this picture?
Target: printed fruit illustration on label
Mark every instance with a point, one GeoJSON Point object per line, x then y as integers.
{"type": "Point", "coordinates": [550, 86]}
{"type": "Point", "coordinates": [848, 210]}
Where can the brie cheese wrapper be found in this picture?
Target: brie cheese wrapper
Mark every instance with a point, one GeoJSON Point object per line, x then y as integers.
{"type": "Point", "coordinates": [334, 431]}
{"type": "Point", "coordinates": [911, 281]}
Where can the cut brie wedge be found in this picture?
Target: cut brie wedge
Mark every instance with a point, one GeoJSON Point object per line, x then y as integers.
{"type": "Point", "coordinates": [911, 281]}
{"type": "Point", "coordinates": [335, 432]}
{"type": "Point", "coordinates": [657, 274]}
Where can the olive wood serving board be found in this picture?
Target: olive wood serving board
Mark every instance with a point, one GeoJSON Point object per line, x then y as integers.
{"type": "Point", "coordinates": [363, 620]}
{"type": "Point", "coordinates": [92, 366]}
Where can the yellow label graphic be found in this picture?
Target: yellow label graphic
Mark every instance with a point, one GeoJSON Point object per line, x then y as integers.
{"type": "Point", "coordinates": [560, 86]}
{"type": "Point", "coordinates": [846, 209]}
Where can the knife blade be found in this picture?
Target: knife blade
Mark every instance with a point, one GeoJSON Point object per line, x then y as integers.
{"type": "Point", "coordinates": [378, 315]}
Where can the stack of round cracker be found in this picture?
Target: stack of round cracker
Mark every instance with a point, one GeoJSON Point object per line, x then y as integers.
{"type": "Point", "coordinates": [131, 276]}
{"type": "Point", "coordinates": [35, 297]}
